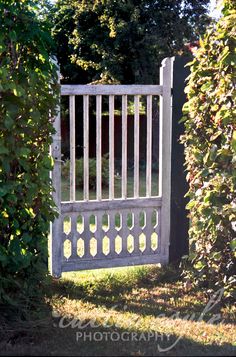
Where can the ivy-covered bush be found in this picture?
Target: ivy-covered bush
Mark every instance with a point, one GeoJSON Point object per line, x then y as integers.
{"type": "Point", "coordinates": [210, 152]}
{"type": "Point", "coordinates": [28, 97]}
{"type": "Point", "coordinates": [79, 169]}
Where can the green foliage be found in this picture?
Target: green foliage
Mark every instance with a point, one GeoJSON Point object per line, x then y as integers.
{"type": "Point", "coordinates": [122, 41]}
{"type": "Point", "coordinates": [28, 96]}
{"type": "Point", "coordinates": [79, 169]}
{"type": "Point", "coordinates": [210, 151]}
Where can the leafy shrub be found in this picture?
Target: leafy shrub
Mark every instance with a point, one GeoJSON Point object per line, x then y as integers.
{"type": "Point", "coordinates": [79, 164]}
{"type": "Point", "coordinates": [210, 152]}
{"type": "Point", "coordinates": [28, 96]}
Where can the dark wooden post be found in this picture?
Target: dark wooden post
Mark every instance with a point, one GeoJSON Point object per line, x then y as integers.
{"type": "Point", "coordinates": [179, 222]}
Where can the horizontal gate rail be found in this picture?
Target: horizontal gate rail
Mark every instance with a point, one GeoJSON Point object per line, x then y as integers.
{"type": "Point", "coordinates": [110, 262]}
{"type": "Point", "coordinates": [116, 204]}
{"type": "Point", "coordinates": [110, 89]}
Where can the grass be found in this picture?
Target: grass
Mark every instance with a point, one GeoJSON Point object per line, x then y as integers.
{"type": "Point", "coordinates": [65, 184]}
{"type": "Point", "coordinates": [132, 300]}
{"type": "Point", "coordinates": [149, 306]}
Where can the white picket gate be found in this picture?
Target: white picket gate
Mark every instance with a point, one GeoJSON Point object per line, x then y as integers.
{"type": "Point", "coordinates": [128, 242]}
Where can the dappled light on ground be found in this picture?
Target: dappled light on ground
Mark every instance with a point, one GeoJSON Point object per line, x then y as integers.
{"type": "Point", "coordinates": [125, 311]}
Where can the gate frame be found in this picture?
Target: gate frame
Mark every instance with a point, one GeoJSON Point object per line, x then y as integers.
{"type": "Point", "coordinates": [165, 141]}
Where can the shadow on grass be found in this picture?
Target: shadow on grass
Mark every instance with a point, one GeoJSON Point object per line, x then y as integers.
{"type": "Point", "coordinates": [147, 291]}
{"type": "Point", "coordinates": [53, 340]}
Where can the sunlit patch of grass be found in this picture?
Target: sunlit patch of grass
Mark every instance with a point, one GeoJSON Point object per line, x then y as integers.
{"type": "Point", "coordinates": [141, 300]}
{"type": "Point", "coordinates": [133, 299]}
{"type": "Point", "coordinates": [65, 187]}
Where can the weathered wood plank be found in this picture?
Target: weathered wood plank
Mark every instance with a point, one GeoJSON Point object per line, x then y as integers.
{"type": "Point", "coordinates": [149, 148]}
{"type": "Point", "coordinates": [148, 229]}
{"type": "Point", "coordinates": [74, 235]}
{"type": "Point", "coordinates": [111, 148]}
{"type": "Point", "coordinates": [86, 147]}
{"type": "Point", "coordinates": [99, 146]}
{"type": "Point", "coordinates": [99, 234]}
{"type": "Point", "coordinates": [72, 148]}
{"type": "Point", "coordinates": [94, 263]}
{"type": "Point", "coordinates": [123, 233]}
{"type": "Point", "coordinates": [57, 225]}
{"type": "Point", "coordinates": [136, 231]}
{"type": "Point", "coordinates": [105, 205]}
{"type": "Point", "coordinates": [90, 89]}
{"type": "Point", "coordinates": [124, 147]}
{"type": "Point", "coordinates": [166, 79]}
{"type": "Point", "coordinates": [111, 233]}
{"type": "Point", "coordinates": [158, 229]}
{"type": "Point", "coordinates": [86, 236]}
{"type": "Point", "coordinates": [136, 146]}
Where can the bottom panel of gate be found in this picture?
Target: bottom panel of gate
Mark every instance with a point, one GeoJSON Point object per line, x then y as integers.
{"type": "Point", "coordinates": [101, 239]}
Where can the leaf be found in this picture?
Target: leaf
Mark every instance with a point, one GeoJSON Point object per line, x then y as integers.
{"type": "Point", "coordinates": [191, 204]}
{"type": "Point", "coordinates": [3, 150]}
{"type": "Point", "coordinates": [233, 244]}
{"type": "Point", "coordinates": [3, 256]}
{"type": "Point", "coordinates": [24, 152]}
{"type": "Point", "coordinates": [18, 91]}
{"type": "Point", "coordinates": [199, 265]}
{"type": "Point", "coordinates": [26, 238]}
{"type": "Point", "coordinates": [216, 135]}
{"type": "Point", "coordinates": [183, 119]}
{"type": "Point", "coordinates": [185, 108]}
{"type": "Point", "coordinates": [9, 122]}
{"type": "Point", "coordinates": [206, 86]}
{"type": "Point", "coordinates": [234, 141]}
{"type": "Point", "coordinates": [12, 35]}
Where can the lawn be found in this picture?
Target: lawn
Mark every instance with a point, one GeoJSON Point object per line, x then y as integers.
{"type": "Point", "coordinates": [134, 311]}
{"type": "Point", "coordinates": [65, 187]}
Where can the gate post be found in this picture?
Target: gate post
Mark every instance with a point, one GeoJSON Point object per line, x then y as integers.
{"type": "Point", "coordinates": [179, 187]}
{"type": "Point", "coordinates": [56, 226]}
{"type": "Point", "coordinates": [166, 80]}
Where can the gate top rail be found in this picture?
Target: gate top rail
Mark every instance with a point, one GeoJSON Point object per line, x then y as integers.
{"type": "Point", "coordinates": [110, 89]}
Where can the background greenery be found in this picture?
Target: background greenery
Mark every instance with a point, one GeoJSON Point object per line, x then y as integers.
{"type": "Point", "coordinates": [210, 151]}
{"type": "Point", "coordinates": [122, 41]}
{"type": "Point", "coordinates": [28, 96]}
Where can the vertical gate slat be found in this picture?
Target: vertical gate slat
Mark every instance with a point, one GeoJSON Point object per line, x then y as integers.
{"type": "Point", "coordinates": [99, 146]}
{"type": "Point", "coordinates": [136, 146]}
{"type": "Point", "coordinates": [111, 147]}
{"type": "Point", "coordinates": [99, 234]}
{"type": "Point", "coordinates": [149, 148]}
{"type": "Point", "coordinates": [158, 229]}
{"type": "Point", "coordinates": [112, 233]}
{"type": "Point", "coordinates": [124, 233]}
{"type": "Point", "coordinates": [124, 146]}
{"type": "Point", "coordinates": [86, 147]}
{"type": "Point", "coordinates": [136, 231]}
{"type": "Point", "coordinates": [166, 80]}
{"type": "Point", "coordinates": [57, 225]}
{"type": "Point", "coordinates": [148, 230]}
{"type": "Point", "coordinates": [72, 148]}
{"type": "Point", "coordinates": [74, 236]}
{"type": "Point", "coordinates": [87, 236]}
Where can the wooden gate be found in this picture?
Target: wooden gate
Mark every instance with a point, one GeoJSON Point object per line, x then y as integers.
{"type": "Point", "coordinates": [114, 231]}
